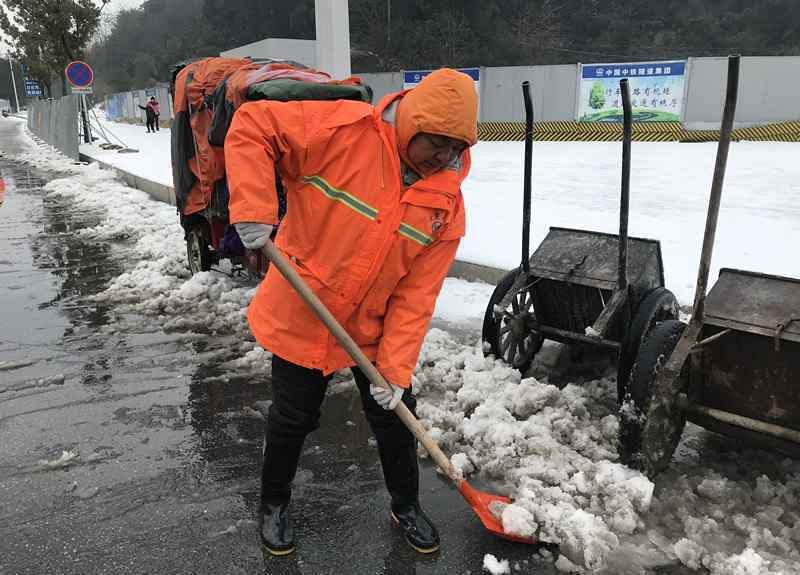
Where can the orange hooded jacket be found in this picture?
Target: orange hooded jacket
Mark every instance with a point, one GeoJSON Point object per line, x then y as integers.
{"type": "Point", "coordinates": [375, 252]}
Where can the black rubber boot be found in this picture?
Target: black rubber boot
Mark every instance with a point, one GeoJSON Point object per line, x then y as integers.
{"type": "Point", "coordinates": [418, 529]}
{"type": "Point", "coordinates": [278, 470]}
{"type": "Point", "coordinates": [276, 529]}
{"type": "Point", "coordinates": [297, 393]}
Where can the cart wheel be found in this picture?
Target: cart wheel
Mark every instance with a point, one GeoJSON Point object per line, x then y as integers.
{"type": "Point", "coordinates": [508, 336]}
{"type": "Point", "coordinates": [658, 305]}
{"type": "Point", "coordinates": [197, 251]}
{"type": "Point", "coordinates": [650, 425]}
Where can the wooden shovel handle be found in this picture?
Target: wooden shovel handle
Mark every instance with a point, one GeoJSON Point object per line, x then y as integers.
{"type": "Point", "coordinates": [309, 297]}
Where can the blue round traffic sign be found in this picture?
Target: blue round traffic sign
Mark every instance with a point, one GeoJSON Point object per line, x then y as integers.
{"type": "Point", "coordinates": [79, 74]}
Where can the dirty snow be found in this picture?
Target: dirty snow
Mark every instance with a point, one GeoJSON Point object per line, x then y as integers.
{"type": "Point", "coordinates": [66, 458]}
{"type": "Point", "coordinates": [719, 508]}
{"type": "Point", "coordinates": [590, 331]}
{"type": "Point", "coordinates": [518, 521]}
{"type": "Point", "coordinates": [494, 565]}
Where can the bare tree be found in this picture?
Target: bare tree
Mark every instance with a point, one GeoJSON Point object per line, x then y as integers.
{"type": "Point", "coordinates": [536, 26]}
{"type": "Point", "coordinates": [370, 18]}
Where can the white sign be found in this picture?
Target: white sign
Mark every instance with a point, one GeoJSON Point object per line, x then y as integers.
{"type": "Point", "coordinates": [413, 77]}
{"type": "Point", "coordinates": [656, 90]}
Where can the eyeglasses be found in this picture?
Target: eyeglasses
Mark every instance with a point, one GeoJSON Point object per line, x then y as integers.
{"type": "Point", "coordinates": [442, 143]}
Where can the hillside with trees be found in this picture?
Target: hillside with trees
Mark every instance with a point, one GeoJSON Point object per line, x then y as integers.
{"type": "Point", "coordinates": [141, 45]}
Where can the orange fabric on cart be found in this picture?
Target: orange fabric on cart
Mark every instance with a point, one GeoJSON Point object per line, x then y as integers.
{"type": "Point", "coordinates": [193, 85]}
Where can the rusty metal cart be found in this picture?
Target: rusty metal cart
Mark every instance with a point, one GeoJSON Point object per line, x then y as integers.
{"type": "Point", "coordinates": [734, 369]}
{"type": "Point", "coordinates": [579, 287]}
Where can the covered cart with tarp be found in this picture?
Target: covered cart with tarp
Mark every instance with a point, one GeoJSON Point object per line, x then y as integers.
{"type": "Point", "coordinates": [206, 95]}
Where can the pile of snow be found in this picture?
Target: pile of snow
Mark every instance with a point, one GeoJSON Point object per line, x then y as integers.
{"type": "Point", "coordinates": [551, 449]}
{"type": "Point", "coordinates": [554, 452]}
{"type": "Point", "coordinates": [495, 566]}
{"type": "Point", "coordinates": [159, 283]}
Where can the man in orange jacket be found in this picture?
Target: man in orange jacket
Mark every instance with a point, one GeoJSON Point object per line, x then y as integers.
{"type": "Point", "coordinates": [374, 218]}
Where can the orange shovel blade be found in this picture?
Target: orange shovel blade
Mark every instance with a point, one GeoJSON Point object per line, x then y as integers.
{"type": "Point", "coordinates": [480, 501]}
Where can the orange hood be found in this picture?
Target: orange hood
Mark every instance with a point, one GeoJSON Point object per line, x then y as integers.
{"type": "Point", "coordinates": [443, 103]}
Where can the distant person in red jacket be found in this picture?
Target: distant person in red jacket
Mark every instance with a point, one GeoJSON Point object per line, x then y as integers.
{"type": "Point", "coordinates": [152, 113]}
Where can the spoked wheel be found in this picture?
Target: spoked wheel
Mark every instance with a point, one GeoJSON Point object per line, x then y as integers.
{"type": "Point", "coordinates": [507, 333]}
{"type": "Point", "coordinates": [198, 253]}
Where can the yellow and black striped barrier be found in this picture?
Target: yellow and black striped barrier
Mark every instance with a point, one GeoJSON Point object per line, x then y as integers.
{"type": "Point", "coordinates": [642, 132]}
{"type": "Point", "coordinates": [778, 132]}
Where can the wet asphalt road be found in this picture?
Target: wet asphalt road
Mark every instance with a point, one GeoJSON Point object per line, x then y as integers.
{"type": "Point", "coordinates": [158, 455]}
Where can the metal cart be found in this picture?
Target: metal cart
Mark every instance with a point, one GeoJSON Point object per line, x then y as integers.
{"type": "Point", "coordinates": [734, 368]}
{"type": "Point", "coordinates": [579, 287]}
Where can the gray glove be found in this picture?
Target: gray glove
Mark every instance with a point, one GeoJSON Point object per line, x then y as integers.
{"type": "Point", "coordinates": [254, 235]}
{"type": "Point", "coordinates": [387, 399]}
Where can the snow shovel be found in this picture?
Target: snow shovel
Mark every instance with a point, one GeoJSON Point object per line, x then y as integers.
{"type": "Point", "coordinates": [478, 500]}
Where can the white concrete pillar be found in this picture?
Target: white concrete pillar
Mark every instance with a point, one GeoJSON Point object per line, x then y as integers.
{"type": "Point", "coordinates": [333, 37]}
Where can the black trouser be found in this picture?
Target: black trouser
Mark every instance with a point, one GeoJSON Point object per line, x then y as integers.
{"type": "Point", "coordinates": [155, 122]}
{"type": "Point", "coordinates": [297, 394]}
{"type": "Point", "coordinates": [150, 127]}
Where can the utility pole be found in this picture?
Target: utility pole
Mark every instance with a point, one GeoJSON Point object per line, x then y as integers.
{"type": "Point", "coordinates": [13, 83]}
{"type": "Point", "coordinates": [333, 37]}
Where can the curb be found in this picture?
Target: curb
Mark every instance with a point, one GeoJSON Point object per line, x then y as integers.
{"type": "Point", "coordinates": [158, 191]}
{"type": "Point", "coordinates": [476, 272]}
{"type": "Point", "coordinates": [460, 269]}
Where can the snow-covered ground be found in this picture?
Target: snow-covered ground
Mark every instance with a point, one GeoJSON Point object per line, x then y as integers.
{"type": "Point", "coordinates": [719, 509]}
{"type": "Point", "coordinates": [151, 157]}
{"type": "Point", "coordinates": [576, 185]}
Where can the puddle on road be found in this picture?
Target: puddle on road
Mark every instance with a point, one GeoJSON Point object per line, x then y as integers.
{"type": "Point", "coordinates": [160, 434]}
{"type": "Point", "coordinates": [51, 328]}
{"type": "Point", "coordinates": [163, 441]}
{"type": "Point", "coordinates": [68, 362]}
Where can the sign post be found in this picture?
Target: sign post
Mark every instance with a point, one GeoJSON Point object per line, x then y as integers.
{"type": "Point", "coordinates": [80, 76]}
{"type": "Point", "coordinates": [13, 83]}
